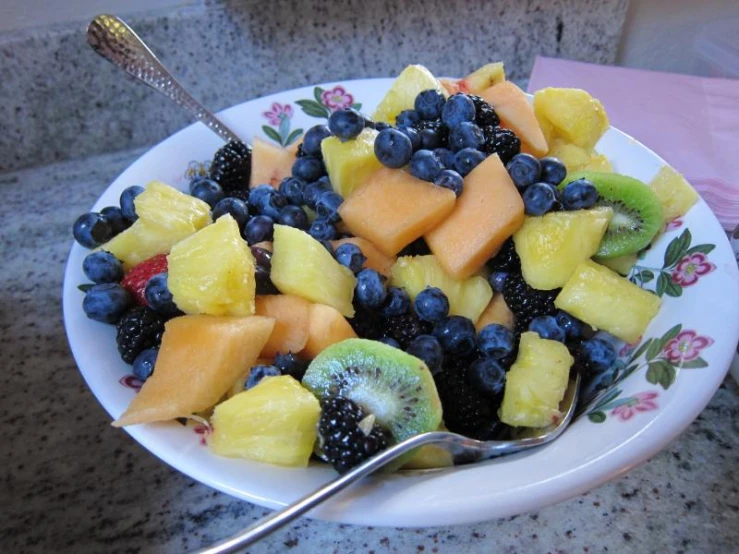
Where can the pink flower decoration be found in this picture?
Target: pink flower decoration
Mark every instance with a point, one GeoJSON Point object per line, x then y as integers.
{"type": "Point", "coordinates": [690, 268]}
{"type": "Point", "coordinates": [627, 349]}
{"type": "Point", "coordinates": [278, 112]}
{"type": "Point", "coordinates": [131, 382]}
{"type": "Point", "coordinates": [686, 346]}
{"type": "Point", "coordinates": [640, 402]}
{"type": "Point", "coordinates": [203, 431]}
{"type": "Point", "coordinates": [673, 224]}
{"type": "Point", "coordinates": [337, 99]}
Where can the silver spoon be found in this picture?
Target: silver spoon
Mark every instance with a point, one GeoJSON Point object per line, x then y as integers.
{"type": "Point", "coordinates": [463, 450]}
{"type": "Point", "coordinates": [118, 43]}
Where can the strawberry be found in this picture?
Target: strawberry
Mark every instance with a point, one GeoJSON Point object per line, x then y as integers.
{"type": "Point", "coordinates": [134, 281]}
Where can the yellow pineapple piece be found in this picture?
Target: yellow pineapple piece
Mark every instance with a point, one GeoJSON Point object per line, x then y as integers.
{"type": "Point", "coordinates": [274, 422]}
{"type": "Point", "coordinates": [674, 193]}
{"type": "Point", "coordinates": [166, 216]}
{"type": "Point", "coordinates": [576, 158]}
{"type": "Point", "coordinates": [402, 94]}
{"type": "Point", "coordinates": [351, 162]}
{"type": "Point", "coordinates": [572, 114]}
{"type": "Point", "coordinates": [199, 359]}
{"type": "Point", "coordinates": [483, 78]}
{"type": "Point", "coordinates": [302, 266]}
{"type": "Point", "coordinates": [605, 300]}
{"type": "Point", "coordinates": [598, 162]}
{"type": "Point", "coordinates": [536, 383]}
{"type": "Point", "coordinates": [212, 272]}
{"type": "Point", "coordinates": [467, 297]}
{"type": "Point", "coordinates": [552, 246]}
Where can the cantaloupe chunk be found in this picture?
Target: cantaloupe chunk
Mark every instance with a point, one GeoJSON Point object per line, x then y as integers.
{"type": "Point", "coordinates": [498, 312]}
{"type": "Point", "coordinates": [517, 114]}
{"type": "Point", "coordinates": [326, 326]}
{"type": "Point", "coordinates": [394, 208]}
{"type": "Point", "coordinates": [291, 322]}
{"type": "Point", "coordinates": [375, 259]}
{"type": "Point", "coordinates": [483, 78]}
{"type": "Point", "coordinates": [489, 211]}
{"type": "Point", "coordinates": [199, 359]}
{"type": "Point", "coordinates": [270, 164]}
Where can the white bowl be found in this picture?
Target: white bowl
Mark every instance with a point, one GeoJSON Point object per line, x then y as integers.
{"type": "Point", "coordinates": [640, 417]}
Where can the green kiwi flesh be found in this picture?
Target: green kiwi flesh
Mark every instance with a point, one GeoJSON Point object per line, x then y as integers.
{"type": "Point", "coordinates": [637, 212]}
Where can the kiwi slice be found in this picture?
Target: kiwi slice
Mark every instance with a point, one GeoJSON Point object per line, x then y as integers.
{"type": "Point", "coordinates": [395, 387]}
{"type": "Point", "coordinates": [637, 212]}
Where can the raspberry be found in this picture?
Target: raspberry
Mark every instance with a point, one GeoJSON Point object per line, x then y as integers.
{"type": "Point", "coordinates": [134, 281]}
{"type": "Point", "coordinates": [139, 329]}
{"type": "Point", "coordinates": [231, 167]}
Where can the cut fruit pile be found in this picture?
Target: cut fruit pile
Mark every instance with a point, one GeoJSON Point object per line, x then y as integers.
{"type": "Point", "coordinates": [444, 265]}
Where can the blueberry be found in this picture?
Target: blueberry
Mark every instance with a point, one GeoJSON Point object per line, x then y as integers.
{"type": "Point", "coordinates": [92, 229]}
{"type": "Point", "coordinates": [546, 327]}
{"type": "Point", "coordinates": [413, 136]}
{"type": "Point", "coordinates": [293, 216]}
{"type": "Point", "coordinates": [262, 257]}
{"type": "Point", "coordinates": [487, 376]}
{"type": "Point", "coordinates": [456, 335]}
{"type": "Point", "coordinates": [427, 349]}
{"type": "Point", "coordinates": [312, 140]}
{"type": "Point", "coordinates": [572, 326]}
{"type": "Point", "coordinates": [524, 170]}
{"type": "Point", "coordinates": [114, 215]}
{"type": "Point", "coordinates": [290, 364]}
{"type": "Point", "coordinates": [308, 168]}
{"type": "Point", "coordinates": [208, 191]}
{"type": "Point", "coordinates": [495, 341]}
{"type": "Point", "coordinates": [264, 284]}
{"type": "Point", "coordinates": [259, 229]}
{"type": "Point", "coordinates": [393, 148]}
{"type": "Point", "coordinates": [327, 206]}
{"type": "Point", "coordinates": [350, 255]}
{"type": "Point", "coordinates": [259, 372]}
{"type": "Point", "coordinates": [579, 195]}
{"type": "Point", "coordinates": [396, 303]}
{"type": "Point", "coordinates": [313, 190]}
{"type": "Point", "coordinates": [292, 189]}
{"type": "Point", "coordinates": [381, 126]}
{"type": "Point", "coordinates": [345, 124]}
{"type": "Point", "coordinates": [599, 354]}
{"type": "Point", "coordinates": [450, 179]}
{"type": "Point", "coordinates": [128, 209]}
{"type": "Point", "coordinates": [497, 280]}
{"type": "Point", "coordinates": [431, 304]}
{"type": "Point", "coordinates": [257, 196]}
{"type": "Point", "coordinates": [446, 157]}
{"type": "Point", "coordinates": [430, 139]}
{"type": "Point", "coordinates": [538, 199]}
{"type": "Point", "coordinates": [466, 135]}
{"type": "Point", "coordinates": [553, 171]}
{"type": "Point", "coordinates": [143, 365]}
{"type": "Point", "coordinates": [370, 291]}
{"type": "Point", "coordinates": [102, 267]}
{"type": "Point", "coordinates": [235, 207]}
{"type": "Point", "coordinates": [457, 109]}
{"type": "Point", "coordinates": [106, 303]}
{"type": "Point", "coordinates": [425, 165]}
{"type": "Point", "coordinates": [194, 181]}
{"type": "Point", "coordinates": [159, 297]}
{"type": "Point", "coordinates": [407, 118]}
{"type": "Point", "coordinates": [429, 103]}
{"type": "Point", "coordinates": [322, 230]}
{"type": "Point", "coordinates": [271, 203]}
{"type": "Point", "coordinates": [390, 341]}
{"type": "Point", "coordinates": [466, 160]}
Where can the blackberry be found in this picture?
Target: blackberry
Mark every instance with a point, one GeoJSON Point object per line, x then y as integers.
{"type": "Point", "coordinates": [417, 248]}
{"type": "Point", "coordinates": [484, 113]}
{"type": "Point", "coordinates": [301, 153]}
{"type": "Point", "coordinates": [231, 167]}
{"type": "Point", "coordinates": [139, 328]}
{"type": "Point", "coordinates": [404, 328]}
{"type": "Point", "coordinates": [502, 142]}
{"type": "Point", "coordinates": [526, 302]}
{"type": "Point", "coordinates": [436, 125]}
{"type": "Point", "coordinates": [367, 324]}
{"type": "Point", "coordinates": [506, 259]}
{"type": "Point", "coordinates": [347, 436]}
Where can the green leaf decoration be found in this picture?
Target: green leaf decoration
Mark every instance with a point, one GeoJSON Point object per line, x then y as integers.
{"type": "Point", "coordinates": [671, 334]}
{"type": "Point", "coordinates": [654, 349]}
{"type": "Point", "coordinates": [702, 248]}
{"type": "Point", "coordinates": [313, 109]}
{"type": "Point", "coordinates": [357, 106]}
{"type": "Point", "coordinates": [284, 129]}
{"type": "Point", "coordinates": [642, 348]}
{"type": "Point", "coordinates": [610, 396]}
{"type": "Point", "coordinates": [85, 287]}
{"type": "Point", "coordinates": [292, 137]}
{"type": "Point", "coordinates": [597, 417]}
{"type": "Point", "coordinates": [645, 275]}
{"type": "Point", "coordinates": [662, 373]}
{"type": "Point", "coordinates": [698, 363]}
{"type": "Point", "coordinates": [616, 403]}
{"type": "Point", "coordinates": [677, 249]}
{"type": "Point", "coordinates": [318, 95]}
{"type": "Point", "coordinates": [628, 371]}
{"type": "Point", "coordinates": [662, 282]}
{"type": "Point", "coordinates": [271, 133]}
{"type": "Point", "coordinates": [673, 289]}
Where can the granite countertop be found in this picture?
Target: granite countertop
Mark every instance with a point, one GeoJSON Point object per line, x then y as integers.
{"type": "Point", "coordinates": [72, 483]}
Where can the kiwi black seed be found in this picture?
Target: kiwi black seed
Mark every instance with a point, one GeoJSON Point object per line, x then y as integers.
{"type": "Point", "coordinates": [637, 212]}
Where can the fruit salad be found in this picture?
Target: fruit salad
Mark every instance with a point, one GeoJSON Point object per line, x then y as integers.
{"type": "Point", "coordinates": [447, 262]}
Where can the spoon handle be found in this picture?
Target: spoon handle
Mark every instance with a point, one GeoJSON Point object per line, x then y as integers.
{"type": "Point", "coordinates": [119, 44]}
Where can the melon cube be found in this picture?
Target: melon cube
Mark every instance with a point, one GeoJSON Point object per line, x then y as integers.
{"type": "Point", "coordinates": [351, 162]}
{"type": "Point", "coordinates": [497, 311]}
{"type": "Point", "coordinates": [375, 259]}
{"type": "Point", "coordinates": [402, 94]}
{"type": "Point", "coordinates": [326, 326]}
{"type": "Point", "coordinates": [291, 322]}
{"type": "Point", "coordinates": [270, 164]}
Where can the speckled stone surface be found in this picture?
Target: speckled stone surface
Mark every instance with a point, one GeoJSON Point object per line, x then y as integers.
{"type": "Point", "coordinates": [71, 483]}
{"type": "Point", "coordinates": [59, 100]}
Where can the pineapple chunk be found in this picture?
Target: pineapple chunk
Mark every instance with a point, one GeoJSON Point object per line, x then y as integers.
{"type": "Point", "coordinates": [402, 94]}
{"type": "Point", "coordinates": [576, 158]}
{"type": "Point", "coordinates": [536, 383]}
{"type": "Point", "coordinates": [605, 300]}
{"type": "Point", "coordinates": [552, 246]}
{"type": "Point", "coordinates": [483, 78]}
{"type": "Point", "coordinates": [274, 422]}
{"type": "Point", "coordinates": [467, 297]}
{"type": "Point", "coordinates": [571, 114]}
{"type": "Point", "coordinates": [212, 272]}
{"type": "Point", "coordinates": [351, 162]}
{"type": "Point", "coordinates": [674, 193]}
{"type": "Point", "coordinates": [166, 216]}
{"type": "Point", "coordinates": [302, 266]}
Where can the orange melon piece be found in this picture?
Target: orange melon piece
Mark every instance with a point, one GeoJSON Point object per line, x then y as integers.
{"type": "Point", "coordinates": [452, 86]}
{"type": "Point", "coordinates": [199, 359]}
{"type": "Point", "coordinates": [393, 209]}
{"type": "Point", "coordinates": [291, 322]}
{"type": "Point", "coordinates": [270, 164]}
{"type": "Point", "coordinates": [375, 259]}
{"type": "Point", "coordinates": [266, 244]}
{"type": "Point", "coordinates": [488, 212]}
{"type": "Point", "coordinates": [326, 326]}
{"type": "Point", "coordinates": [496, 312]}
{"type": "Point", "coordinates": [517, 114]}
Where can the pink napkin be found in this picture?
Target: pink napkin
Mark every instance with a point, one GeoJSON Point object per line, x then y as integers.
{"type": "Point", "coordinates": [692, 122]}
